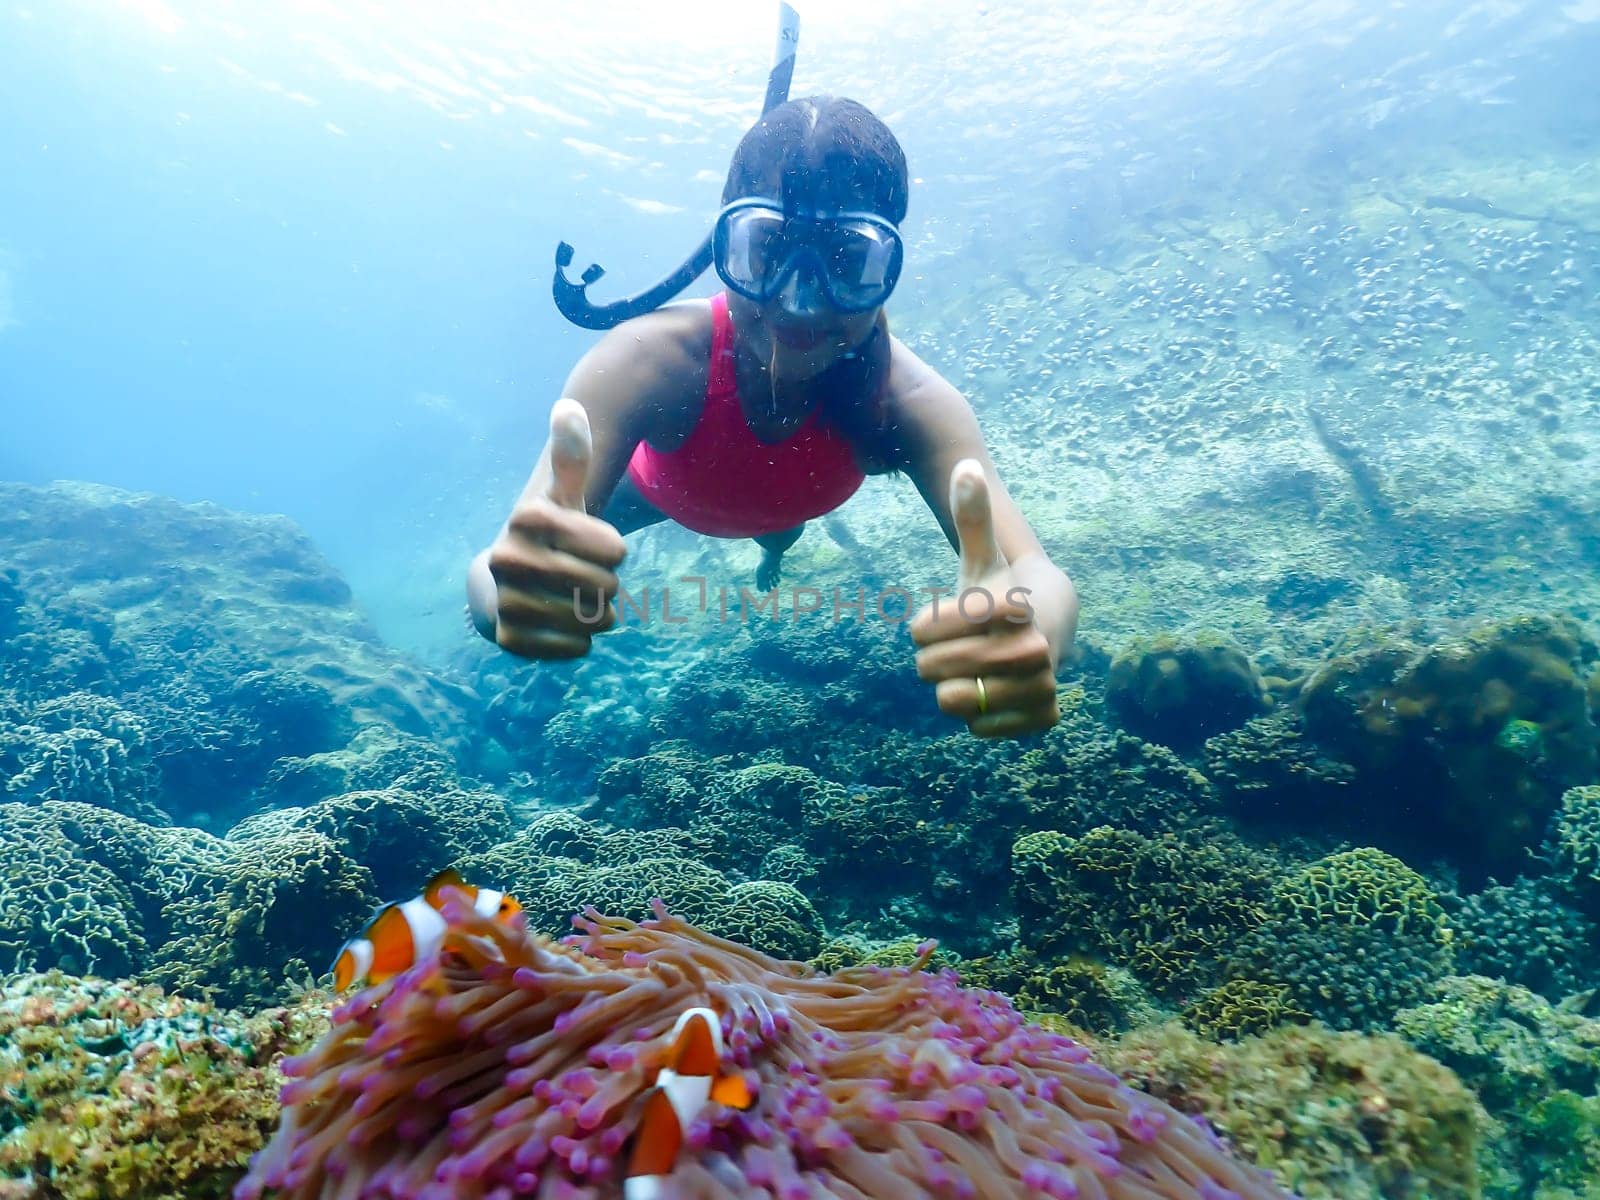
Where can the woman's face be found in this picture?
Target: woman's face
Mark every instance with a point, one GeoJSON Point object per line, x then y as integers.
{"type": "Point", "coordinates": [799, 327]}
{"type": "Point", "coordinates": [800, 330]}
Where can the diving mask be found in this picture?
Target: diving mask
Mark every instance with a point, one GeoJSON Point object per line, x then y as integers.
{"type": "Point", "coordinates": [854, 256]}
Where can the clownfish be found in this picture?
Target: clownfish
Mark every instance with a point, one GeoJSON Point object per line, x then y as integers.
{"type": "Point", "coordinates": [692, 1077]}
{"type": "Point", "coordinates": [403, 931]}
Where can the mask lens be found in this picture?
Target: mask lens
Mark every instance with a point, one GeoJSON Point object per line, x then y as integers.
{"type": "Point", "coordinates": [860, 258]}
{"type": "Point", "coordinates": [758, 248]}
{"type": "Point", "coordinates": [751, 250]}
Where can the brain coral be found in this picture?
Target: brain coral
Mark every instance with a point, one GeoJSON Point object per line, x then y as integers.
{"type": "Point", "coordinates": [512, 1065]}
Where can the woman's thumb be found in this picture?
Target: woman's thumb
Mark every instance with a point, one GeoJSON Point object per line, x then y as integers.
{"type": "Point", "coordinates": [571, 449]}
{"type": "Point", "coordinates": [974, 522]}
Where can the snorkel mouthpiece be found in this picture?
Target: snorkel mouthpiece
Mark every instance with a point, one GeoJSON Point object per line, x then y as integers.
{"type": "Point", "coordinates": [572, 298]}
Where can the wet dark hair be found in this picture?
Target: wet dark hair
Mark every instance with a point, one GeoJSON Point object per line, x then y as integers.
{"type": "Point", "coordinates": [821, 152]}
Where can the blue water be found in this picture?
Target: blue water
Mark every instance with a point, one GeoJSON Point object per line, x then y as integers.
{"type": "Point", "coordinates": [295, 257]}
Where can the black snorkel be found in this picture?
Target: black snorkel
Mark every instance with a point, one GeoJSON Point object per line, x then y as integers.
{"type": "Point", "coordinates": [572, 298]}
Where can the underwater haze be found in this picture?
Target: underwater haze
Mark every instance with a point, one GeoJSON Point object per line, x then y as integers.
{"type": "Point", "coordinates": [295, 258]}
{"type": "Point", "coordinates": [1281, 323]}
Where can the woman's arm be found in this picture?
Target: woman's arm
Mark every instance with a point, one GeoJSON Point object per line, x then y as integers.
{"type": "Point", "coordinates": [635, 383]}
{"type": "Point", "coordinates": [937, 429]}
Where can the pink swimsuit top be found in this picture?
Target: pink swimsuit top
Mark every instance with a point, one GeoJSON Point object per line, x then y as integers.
{"type": "Point", "coordinates": [724, 482]}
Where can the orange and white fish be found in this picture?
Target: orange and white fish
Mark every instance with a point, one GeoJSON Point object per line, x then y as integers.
{"type": "Point", "coordinates": [692, 1078]}
{"type": "Point", "coordinates": [403, 931]}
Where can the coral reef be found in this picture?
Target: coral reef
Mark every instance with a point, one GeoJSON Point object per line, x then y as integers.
{"type": "Point", "coordinates": [515, 1063]}
{"type": "Point", "coordinates": [1089, 996]}
{"type": "Point", "coordinates": [561, 864]}
{"type": "Point", "coordinates": [1536, 1068]}
{"type": "Point", "coordinates": [1271, 772]}
{"type": "Point", "coordinates": [233, 919]}
{"type": "Point", "coordinates": [110, 1091]}
{"type": "Point", "coordinates": [1083, 774]}
{"type": "Point", "coordinates": [1480, 734]}
{"type": "Point", "coordinates": [1239, 1007]}
{"type": "Point", "coordinates": [213, 643]}
{"type": "Point", "coordinates": [1167, 908]}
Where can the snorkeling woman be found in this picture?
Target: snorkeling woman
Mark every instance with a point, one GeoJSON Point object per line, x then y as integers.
{"type": "Point", "coordinates": [748, 414]}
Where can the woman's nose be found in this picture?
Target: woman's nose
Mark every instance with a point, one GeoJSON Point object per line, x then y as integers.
{"type": "Point", "coordinates": [803, 295]}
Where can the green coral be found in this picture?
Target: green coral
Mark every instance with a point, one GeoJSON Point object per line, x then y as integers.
{"type": "Point", "coordinates": [82, 748]}
{"type": "Point", "coordinates": [1240, 1007]}
{"type": "Point", "coordinates": [401, 836]}
{"type": "Point", "coordinates": [58, 908]}
{"type": "Point", "coordinates": [1575, 845]}
{"type": "Point", "coordinates": [1335, 1116]}
{"type": "Point", "coordinates": [775, 918]}
{"type": "Point", "coordinates": [1354, 936]}
{"type": "Point", "coordinates": [1269, 768]}
{"type": "Point", "coordinates": [562, 863]}
{"type": "Point", "coordinates": [1169, 908]}
{"type": "Point", "coordinates": [283, 896]}
{"type": "Point", "coordinates": [1082, 774]}
{"type": "Point", "coordinates": [853, 950]}
{"type": "Point", "coordinates": [1179, 693]}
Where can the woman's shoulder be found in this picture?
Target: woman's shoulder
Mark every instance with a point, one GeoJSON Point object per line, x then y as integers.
{"type": "Point", "coordinates": [910, 376]}
{"type": "Point", "coordinates": [671, 344]}
{"type": "Point", "coordinates": [655, 366]}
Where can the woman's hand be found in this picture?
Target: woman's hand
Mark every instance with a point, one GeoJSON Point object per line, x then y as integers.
{"type": "Point", "coordinates": [552, 569]}
{"type": "Point", "coordinates": [991, 664]}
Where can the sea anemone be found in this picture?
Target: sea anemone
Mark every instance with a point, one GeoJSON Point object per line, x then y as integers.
{"type": "Point", "coordinates": [510, 1065]}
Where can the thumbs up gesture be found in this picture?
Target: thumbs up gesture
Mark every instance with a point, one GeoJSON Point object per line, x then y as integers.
{"type": "Point", "coordinates": [554, 565]}
{"type": "Point", "coordinates": [989, 661]}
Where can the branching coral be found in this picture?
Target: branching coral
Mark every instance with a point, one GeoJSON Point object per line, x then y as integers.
{"type": "Point", "coordinates": [1575, 845]}
{"type": "Point", "coordinates": [511, 1065]}
{"type": "Point", "coordinates": [1524, 933]}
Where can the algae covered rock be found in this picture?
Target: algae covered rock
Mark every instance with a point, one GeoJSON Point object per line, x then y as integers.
{"type": "Point", "coordinates": [1536, 1067]}
{"type": "Point", "coordinates": [117, 1091]}
{"type": "Point", "coordinates": [1335, 1116]}
{"type": "Point", "coordinates": [1179, 693]}
{"type": "Point", "coordinates": [1478, 736]}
